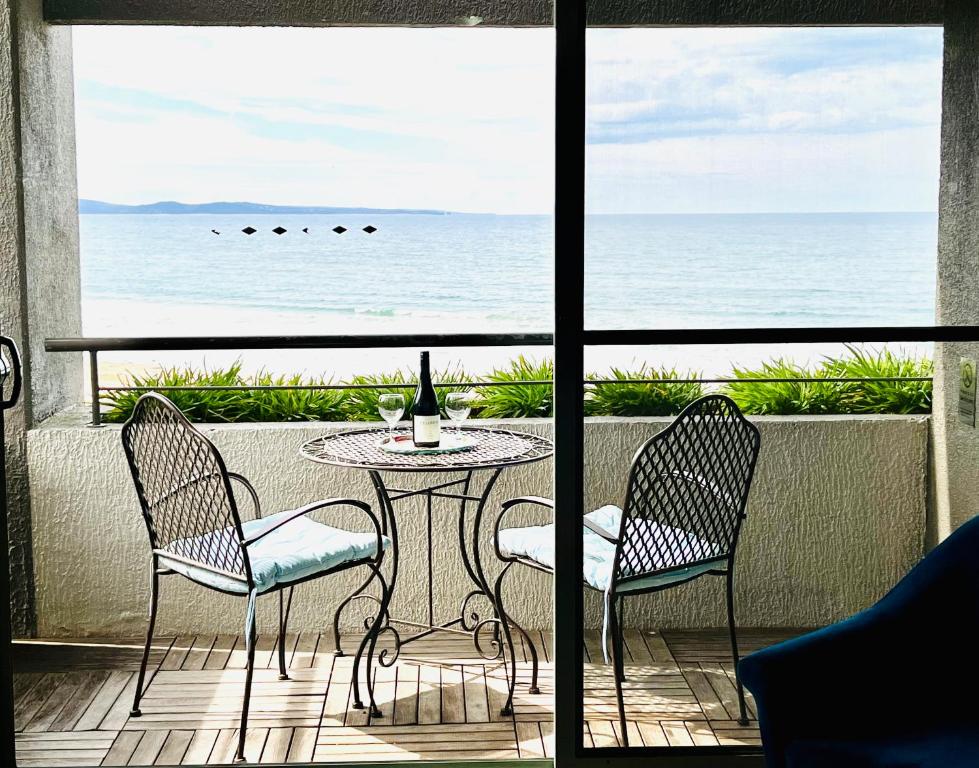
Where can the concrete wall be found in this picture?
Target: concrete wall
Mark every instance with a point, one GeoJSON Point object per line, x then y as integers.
{"type": "Point", "coordinates": [492, 12]}
{"type": "Point", "coordinates": [39, 270]}
{"type": "Point", "coordinates": [957, 303]}
{"type": "Point", "coordinates": [837, 515]}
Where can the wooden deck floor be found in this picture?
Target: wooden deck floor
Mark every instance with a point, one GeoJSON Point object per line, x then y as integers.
{"type": "Point", "coordinates": [439, 701]}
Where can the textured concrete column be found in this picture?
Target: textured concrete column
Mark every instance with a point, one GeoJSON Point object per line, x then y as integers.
{"type": "Point", "coordinates": [956, 447]}
{"type": "Point", "coordinates": [39, 270]}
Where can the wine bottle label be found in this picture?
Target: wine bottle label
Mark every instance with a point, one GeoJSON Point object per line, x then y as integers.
{"type": "Point", "coordinates": [427, 429]}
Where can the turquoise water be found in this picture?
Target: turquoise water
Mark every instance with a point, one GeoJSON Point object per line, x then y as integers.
{"type": "Point", "coordinates": [494, 273]}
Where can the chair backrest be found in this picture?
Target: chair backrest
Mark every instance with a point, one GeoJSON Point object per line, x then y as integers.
{"type": "Point", "coordinates": [183, 488]}
{"type": "Point", "coordinates": [687, 490]}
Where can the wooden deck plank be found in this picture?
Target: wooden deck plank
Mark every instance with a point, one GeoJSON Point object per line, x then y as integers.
{"type": "Point", "coordinates": [475, 694]}
{"type": "Point", "coordinates": [680, 691]}
{"type": "Point", "coordinates": [23, 682]}
{"type": "Point", "coordinates": [453, 695]}
{"type": "Point", "coordinates": [174, 748]}
{"type": "Point", "coordinates": [148, 748]}
{"type": "Point", "coordinates": [199, 749]}
{"type": "Point", "coordinates": [67, 684]}
{"type": "Point", "coordinates": [255, 742]}
{"type": "Point", "coordinates": [302, 746]}
{"type": "Point", "coordinates": [34, 699]}
{"type": "Point", "coordinates": [197, 655]}
{"type": "Point", "coordinates": [84, 695]}
{"type": "Point", "coordinates": [290, 645]}
{"type": "Point", "coordinates": [652, 734]}
{"type": "Point", "coordinates": [177, 652]}
{"type": "Point", "coordinates": [337, 692]}
{"type": "Point", "coordinates": [547, 733]}
{"type": "Point", "coordinates": [122, 748]}
{"type": "Point", "coordinates": [277, 745]}
{"type": "Point", "coordinates": [603, 734]}
{"type": "Point", "coordinates": [385, 689]}
{"type": "Point", "coordinates": [224, 747]}
{"type": "Point", "coordinates": [723, 687]}
{"type": "Point", "coordinates": [530, 742]}
{"type": "Point", "coordinates": [220, 651]}
{"type": "Point", "coordinates": [118, 713]}
{"type": "Point", "coordinates": [100, 705]}
{"type": "Point", "coordinates": [406, 697]}
{"type": "Point", "coordinates": [429, 694]}
{"type": "Point", "coordinates": [305, 650]}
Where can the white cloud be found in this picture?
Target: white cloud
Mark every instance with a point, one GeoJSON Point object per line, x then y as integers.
{"type": "Point", "coordinates": [725, 119]}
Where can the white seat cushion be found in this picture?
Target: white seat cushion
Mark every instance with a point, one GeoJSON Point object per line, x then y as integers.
{"type": "Point", "coordinates": [537, 543]}
{"type": "Point", "coordinates": [300, 548]}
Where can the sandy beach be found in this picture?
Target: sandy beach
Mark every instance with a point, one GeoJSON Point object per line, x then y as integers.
{"type": "Point", "coordinates": [102, 317]}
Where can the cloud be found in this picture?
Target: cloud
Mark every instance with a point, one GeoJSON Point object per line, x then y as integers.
{"type": "Point", "coordinates": [701, 119]}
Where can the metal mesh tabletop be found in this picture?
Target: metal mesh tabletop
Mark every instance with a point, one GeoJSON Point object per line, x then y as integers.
{"type": "Point", "coordinates": [494, 448]}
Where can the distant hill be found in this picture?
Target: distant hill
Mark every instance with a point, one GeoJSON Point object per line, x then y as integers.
{"type": "Point", "coordinates": [169, 206]}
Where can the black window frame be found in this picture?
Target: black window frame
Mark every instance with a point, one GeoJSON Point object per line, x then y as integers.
{"type": "Point", "coordinates": [570, 335]}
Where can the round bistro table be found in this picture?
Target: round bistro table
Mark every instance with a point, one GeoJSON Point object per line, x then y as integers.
{"type": "Point", "coordinates": [495, 450]}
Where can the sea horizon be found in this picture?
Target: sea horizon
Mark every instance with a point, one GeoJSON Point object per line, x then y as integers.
{"type": "Point", "coordinates": [169, 274]}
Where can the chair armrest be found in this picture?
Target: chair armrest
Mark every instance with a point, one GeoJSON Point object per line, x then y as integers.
{"type": "Point", "coordinates": [505, 507]}
{"type": "Point", "coordinates": [252, 493]}
{"type": "Point", "coordinates": [610, 537]}
{"type": "Point", "coordinates": [323, 504]}
{"type": "Point", "coordinates": [830, 684]}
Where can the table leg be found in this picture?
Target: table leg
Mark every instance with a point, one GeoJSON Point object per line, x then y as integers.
{"type": "Point", "coordinates": [471, 548]}
{"type": "Point", "coordinates": [381, 623]}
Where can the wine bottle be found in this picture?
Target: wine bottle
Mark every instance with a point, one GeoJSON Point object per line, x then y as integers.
{"type": "Point", "coordinates": [425, 411]}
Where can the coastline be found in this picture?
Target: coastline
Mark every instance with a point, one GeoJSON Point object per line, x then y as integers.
{"type": "Point", "coordinates": [123, 317]}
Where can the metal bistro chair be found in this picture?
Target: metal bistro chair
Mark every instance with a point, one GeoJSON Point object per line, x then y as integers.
{"type": "Point", "coordinates": [684, 505]}
{"type": "Point", "coordinates": [196, 531]}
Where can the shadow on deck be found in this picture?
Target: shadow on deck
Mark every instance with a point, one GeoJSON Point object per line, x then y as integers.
{"type": "Point", "coordinates": [439, 701]}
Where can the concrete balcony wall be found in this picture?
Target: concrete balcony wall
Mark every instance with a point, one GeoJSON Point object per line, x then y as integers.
{"type": "Point", "coordinates": [837, 515]}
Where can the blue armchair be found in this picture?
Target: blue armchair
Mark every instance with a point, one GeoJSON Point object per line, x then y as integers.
{"type": "Point", "coordinates": [894, 685]}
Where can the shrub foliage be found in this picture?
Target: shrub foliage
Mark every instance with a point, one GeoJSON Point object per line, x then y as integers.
{"type": "Point", "coordinates": [513, 391]}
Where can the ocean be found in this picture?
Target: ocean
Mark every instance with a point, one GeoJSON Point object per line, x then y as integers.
{"type": "Point", "coordinates": [172, 275]}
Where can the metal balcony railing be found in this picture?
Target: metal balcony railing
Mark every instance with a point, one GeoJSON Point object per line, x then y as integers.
{"type": "Point", "coordinates": [94, 345]}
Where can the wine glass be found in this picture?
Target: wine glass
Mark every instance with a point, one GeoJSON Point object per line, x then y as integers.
{"type": "Point", "coordinates": [391, 406]}
{"type": "Point", "coordinates": [457, 407]}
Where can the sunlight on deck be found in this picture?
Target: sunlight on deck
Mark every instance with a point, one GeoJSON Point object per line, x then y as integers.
{"type": "Point", "coordinates": [440, 700]}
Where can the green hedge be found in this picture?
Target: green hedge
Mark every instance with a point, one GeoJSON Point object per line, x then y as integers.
{"type": "Point", "coordinates": [511, 395]}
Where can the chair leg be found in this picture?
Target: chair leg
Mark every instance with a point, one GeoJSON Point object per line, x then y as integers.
{"type": "Point", "coordinates": [251, 637]}
{"type": "Point", "coordinates": [732, 627]}
{"type": "Point", "coordinates": [283, 622]}
{"type": "Point", "coordinates": [374, 633]}
{"type": "Point", "coordinates": [154, 598]}
{"type": "Point", "coordinates": [505, 618]}
{"type": "Point", "coordinates": [617, 650]}
{"type": "Point", "coordinates": [620, 625]}
{"type": "Point", "coordinates": [338, 650]}
{"type": "Point", "coordinates": [508, 650]}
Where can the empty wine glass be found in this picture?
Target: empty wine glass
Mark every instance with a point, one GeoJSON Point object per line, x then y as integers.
{"type": "Point", "coordinates": [457, 407]}
{"type": "Point", "coordinates": [391, 406]}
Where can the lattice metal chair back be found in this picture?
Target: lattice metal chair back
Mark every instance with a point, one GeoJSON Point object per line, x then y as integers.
{"type": "Point", "coordinates": [687, 491]}
{"type": "Point", "coordinates": [195, 529]}
{"type": "Point", "coordinates": [183, 489]}
{"type": "Point", "coordinates": [685, 502]}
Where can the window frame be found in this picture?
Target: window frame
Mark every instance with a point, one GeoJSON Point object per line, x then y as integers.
{"type": "Point", "coordinates": [570, 335]}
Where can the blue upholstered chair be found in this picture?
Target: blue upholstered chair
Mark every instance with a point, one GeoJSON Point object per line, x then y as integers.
{"type": "Point", "coordinates": [685, 501]}
{"type": "Point", "coordinates": [893, 686]}
{"type": "Point", "coordinates": [196, 531]}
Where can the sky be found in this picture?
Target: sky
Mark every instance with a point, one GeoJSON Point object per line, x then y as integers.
{"type": "Point", "coordinates": [679, 121]}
